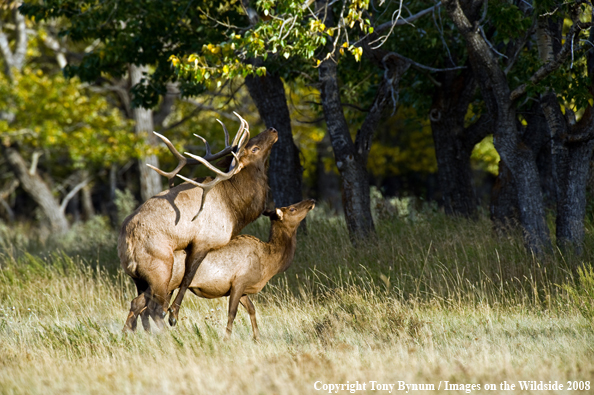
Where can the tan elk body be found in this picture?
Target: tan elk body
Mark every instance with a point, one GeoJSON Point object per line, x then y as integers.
{"type": "Point", "coordinates": [245, 265]}
{"type": "Point", "coordinates": [166, 226]}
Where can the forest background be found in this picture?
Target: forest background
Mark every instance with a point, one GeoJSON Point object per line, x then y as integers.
{"type": "Point", "coordinates": [449, 145]}
{"type": "Point", "coordinates": [405, 97]}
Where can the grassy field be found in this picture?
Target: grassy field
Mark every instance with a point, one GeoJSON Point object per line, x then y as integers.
{"type": "Point", "coordinates": [431, 300]}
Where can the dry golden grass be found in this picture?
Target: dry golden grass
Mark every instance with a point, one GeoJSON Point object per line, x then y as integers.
{"type": "Point", "coordinates": [431, 300]}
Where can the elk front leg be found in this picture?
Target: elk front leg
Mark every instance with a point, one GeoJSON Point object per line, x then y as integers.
{"type": "Point", "coordinates": [249, 306]}
{"type": "Point", "coordinates": [193, 260]}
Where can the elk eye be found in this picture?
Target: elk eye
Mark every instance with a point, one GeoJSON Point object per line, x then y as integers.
{"type": "Point", "coordinates": [292, 209]}
{"type": "Point", "coordinates": [255, 149]}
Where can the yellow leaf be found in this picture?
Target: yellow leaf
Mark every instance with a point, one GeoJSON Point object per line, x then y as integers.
{"type": "Point", "coordinates": [174, 60]}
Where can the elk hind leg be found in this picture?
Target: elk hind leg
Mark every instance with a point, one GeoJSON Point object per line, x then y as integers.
{"type": "Point", "coordinates": [137, 306]}
{"type": "Point", "coordinates": [249, 306]}
{"type": "Point", "coordinates": [234, 298]}
{"type": "Point", "coordinates": [158, 306]}
{"type": "Point", "coordinates": [158, 294]}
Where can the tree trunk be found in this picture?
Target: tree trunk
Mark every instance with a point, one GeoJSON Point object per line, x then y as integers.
{"type": "Point", "coordinates": [530, 200]}
{"type": "Point", "coordinates": [86, 198]}
{"type": "Point", "coordinates": [150, 181]}
{"type": "Point", "coordinates": [38, 190]}
{"type": "Point", "coordinates": [507, 138]}
{"type": "Point", "coordinates": [504, 202]}
{"type": "Point", "coordinates": [354, 177]}
{"type": "Point", "coordinates": [453, 168]}
{"type": "Point", "coordinates": [351, 158]}
{"type": "Point", "coordinates": [538, 137]}
{"type": "Point", "coordinates": [327, 181]}
{"type": "Point", "coordinates": [454, 143]}
{"type": "Point", "coordinates": [87, 203]}
{"type": "Point", "coordinates": [285, 171]}
{"type": "Point", "coordinates": [573, 166]}
{"type": "Point", "coordinates": [571, 155]}
{"type": "Point", "coordinates": [571, 162]}
{"type": "Point", "coordinates": [112, 208]}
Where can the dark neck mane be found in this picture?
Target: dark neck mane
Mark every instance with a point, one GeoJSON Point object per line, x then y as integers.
{"type": "Point", "coordinates": [245, 194]}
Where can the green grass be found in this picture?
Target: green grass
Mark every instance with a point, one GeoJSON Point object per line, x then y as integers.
{"type": "Point", "coordinates": [430, 299]}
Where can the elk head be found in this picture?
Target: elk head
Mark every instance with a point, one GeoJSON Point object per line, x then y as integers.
{"type": "Point", "coordinates": [291, 216]}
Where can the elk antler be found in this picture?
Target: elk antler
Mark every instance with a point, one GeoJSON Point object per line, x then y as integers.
{"type": "Point", "coordinates": [235, 149]}
{"type": "Point", "coordinates": [240, 141]}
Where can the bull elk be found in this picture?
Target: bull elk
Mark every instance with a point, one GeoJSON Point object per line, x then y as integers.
{"type": "Point", "coordinates": [190, 220]}
{"type": "Point", "coordinates": [246, 264]}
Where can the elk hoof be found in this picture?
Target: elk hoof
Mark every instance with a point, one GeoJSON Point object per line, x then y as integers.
{"type": "Point", "coordinates": [172, 320]}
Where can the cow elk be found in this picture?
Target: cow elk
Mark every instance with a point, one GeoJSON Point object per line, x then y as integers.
{"type": "Point", "coordinates": [187, 221]}
{"type": "Point", "coordinates": [246, 264]}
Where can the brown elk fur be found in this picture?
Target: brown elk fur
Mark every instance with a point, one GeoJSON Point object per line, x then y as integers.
{"type": "Point", "coordinates": [246, 264]}
{"type": "Point", "coordinates": [164, 227]}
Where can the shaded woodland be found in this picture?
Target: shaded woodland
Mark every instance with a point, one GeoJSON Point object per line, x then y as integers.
{"type": "Point", "coordinates": [480, 106]}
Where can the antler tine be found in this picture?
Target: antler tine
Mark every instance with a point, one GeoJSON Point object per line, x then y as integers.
{"type": "Point", "coordinates": [182, 161]}
{"type": "Point", "coordinates": [239, 133]}
{"type": "Point", "coordinates": [243, 129]}
{"type": "Point", "coordinates": [208, 154]}
{"type": "Point", "coordinates": [210, 166]}
{"type": "Point", "coordinates": [170, 146]}
{"type": "Point", "coordinates": [245, 137]}
{"type": "Point", "coordinates": [242, 137]}
{"type": "Point", "coordinates": [207, 186]}
{"type": "Point", "coordinates": [226, 132]}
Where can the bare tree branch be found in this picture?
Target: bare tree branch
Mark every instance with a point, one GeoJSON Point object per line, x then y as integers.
{"type": "Point", "coordinates": [21, 41]}
{"type": "Point", "coordinates": [53, 44]}
{"type": "Point", "coordinates": [4, 194]}
{"type": "Point", "coordinates": [8, 209]}
{"type": "Point", "coordinates": [14, 59]}
{"type": "Point", "coordinates": [34, 162]}
{"type": "Point", "coordinates": [405, 21]}
{"type": "Point", "coordinates": [546, 69]}
{"type": "Point", "coordinates": [423, 67]}
{"type": "Point", "coordinates": [9, 189]}
{"type": "Point", "coordinates": [197, 109]}
{"type": "Point", "coordinates": [6, 53]}
{"type": "Point", "coordinates": [73, 192]}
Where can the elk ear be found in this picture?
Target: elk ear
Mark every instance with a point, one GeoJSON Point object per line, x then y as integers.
{"type": "Point", "coordinates": [225, 162]}
{"type": "Point", "coordinates": [279, 214]}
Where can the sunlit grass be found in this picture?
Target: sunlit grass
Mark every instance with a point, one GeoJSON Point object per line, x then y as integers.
{"type": "Point", "coordinates": [431, 299]}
